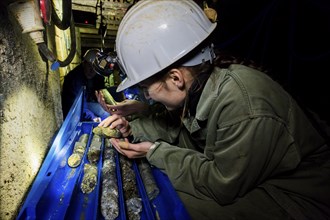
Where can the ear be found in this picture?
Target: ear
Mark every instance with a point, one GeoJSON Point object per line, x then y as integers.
{"type": "Point", "coordinates": [176, 77]}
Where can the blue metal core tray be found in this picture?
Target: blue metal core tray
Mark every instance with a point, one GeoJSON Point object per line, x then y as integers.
{"type": "Point", "coordinates": [56, 193]}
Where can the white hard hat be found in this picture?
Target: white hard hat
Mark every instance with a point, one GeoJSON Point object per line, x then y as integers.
{"type": "Point", "coordinates": [155, 34]}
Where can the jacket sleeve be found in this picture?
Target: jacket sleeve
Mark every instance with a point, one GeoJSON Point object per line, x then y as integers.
{"type": "Point", "coordinates": [157, 126]}
{"type": "Point", "coordinates": [240, 158]}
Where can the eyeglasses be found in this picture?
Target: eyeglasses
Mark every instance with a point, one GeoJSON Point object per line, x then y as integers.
{"type": "Point", "coordinates": [144, 90]}
{"type": "Point", "coordinates": [150, 88]}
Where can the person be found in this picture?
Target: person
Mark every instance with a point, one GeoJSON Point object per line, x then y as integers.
{"type": "Point", "coordinates": [82, 76]}
{"type": "Point", "coordinates": [233, 142]}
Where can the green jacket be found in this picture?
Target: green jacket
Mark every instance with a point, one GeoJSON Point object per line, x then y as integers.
{"type": "Point", "coordinates": [248, 132]}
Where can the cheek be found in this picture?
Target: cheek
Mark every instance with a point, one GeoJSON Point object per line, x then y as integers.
{"type": "Point", "coordinates": [171, 100]}
{"type": "Point", "coordinates": [171, 97]}
{"type": "Point", "coordinates": [154, 96]}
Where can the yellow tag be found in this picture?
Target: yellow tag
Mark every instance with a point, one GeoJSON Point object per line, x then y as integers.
{"type": "Point", "coordinates": [210, 12]}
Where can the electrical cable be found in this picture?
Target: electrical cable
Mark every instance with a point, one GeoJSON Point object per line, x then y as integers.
{"type": "Point", "coordinates": [66, 16]}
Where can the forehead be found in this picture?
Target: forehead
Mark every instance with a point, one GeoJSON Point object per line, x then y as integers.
{"type": "Point", "coordinates": [145, 82]}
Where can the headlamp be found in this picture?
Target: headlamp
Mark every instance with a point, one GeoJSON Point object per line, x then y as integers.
{"type": "Point", "coordinates": [104, 63]}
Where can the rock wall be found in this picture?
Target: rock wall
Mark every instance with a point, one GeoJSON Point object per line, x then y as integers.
{"type": "Point", "coordinates": [30, 113]}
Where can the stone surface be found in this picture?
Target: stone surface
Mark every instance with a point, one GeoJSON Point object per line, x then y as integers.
{"type": "Point", "coordinates": [30, 114]}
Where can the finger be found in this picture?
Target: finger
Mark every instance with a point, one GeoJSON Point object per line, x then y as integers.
{"type": "Point", "coordinates": [127, 149]}
{"type": "Point", "coordinates": [103, 123]}
{"type": "Point", "coordinates": [107, 107]}
{"type": "Point", "coordinates": [106, 122]}
{"type": "Point", "coordinates": [114, 143]}
{"type": "Point", "coordinates": [133, 154]}
{"type": "Point", "coordinates": [122, 128]}
{"type": "Point", "coordinates": [98, 95]}
{"type": "Point", "coordinates": [123, 145]}
{"type": "Point", "coordinates": [113, 110]}
{"type": "Point", "coordinates": [112, 106]}
{"type": "Point", "coordinates": [117, 122]}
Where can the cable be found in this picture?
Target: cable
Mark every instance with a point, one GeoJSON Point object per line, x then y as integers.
{"type": "Point", "coordinates": [66, 16]}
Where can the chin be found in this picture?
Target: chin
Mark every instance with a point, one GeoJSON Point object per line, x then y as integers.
{"type": "Point", "coordinates": [170, 108]}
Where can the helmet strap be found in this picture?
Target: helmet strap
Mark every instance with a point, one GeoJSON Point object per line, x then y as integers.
{"type": "Point", "coordinates": [206, 54]}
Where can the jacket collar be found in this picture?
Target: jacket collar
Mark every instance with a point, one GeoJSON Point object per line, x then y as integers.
{"type": "Point", "coordinates": [206, 101]}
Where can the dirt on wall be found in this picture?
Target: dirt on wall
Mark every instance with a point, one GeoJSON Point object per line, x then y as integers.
{"type": "Point", "coordinates": [30, 113]}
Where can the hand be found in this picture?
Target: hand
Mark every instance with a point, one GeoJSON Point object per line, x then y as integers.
{"type": "Point", "coordinates": [124, 108]}
{"type": "Point", "coordinates": [100, 99]}
{"type": "Point", "coordinates": [128, 107]}
{"type": "Point", "coordinates": [131, 150]}
{"type": "Point", "coordinates": [119, 122]}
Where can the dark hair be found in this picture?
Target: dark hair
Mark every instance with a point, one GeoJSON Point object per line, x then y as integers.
{"type": "Point", "coordinates": [225, 59]}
